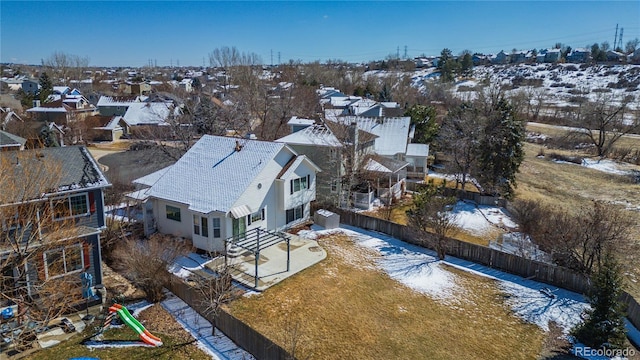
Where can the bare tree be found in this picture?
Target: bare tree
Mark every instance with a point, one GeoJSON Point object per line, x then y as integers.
{"type": "Point", "coordinates": [431, 217]}
{"type": "Point", "coordinates": [31, 234]}
{"type": "Point", "coordinates": [65, 66]}
{"type": "Point", "coordinates": [605, 120]}
{"type": "Point", "coordinates": [145, 262]}
{"type": "Point", "coordinates": [215, 291]}
{"type": "Point", "coordinates": [459, 138]}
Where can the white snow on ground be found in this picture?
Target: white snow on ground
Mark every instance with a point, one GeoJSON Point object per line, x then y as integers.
{"type": "Point", "coordinates": [418, 268]}
{"type": "Point", "coordinates": [607, 166]}
{"type": "Point", "coordinates": [184, 265]}
{"type": "Point", "coordinates": [219, 346]}
{"type": "Point", "coordinates": [479, 219]}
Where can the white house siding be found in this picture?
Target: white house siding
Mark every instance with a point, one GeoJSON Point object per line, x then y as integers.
{"type": "Point", "coordinates": [210, 243]}
{"type": "Point", "coordinates": [168, 226]}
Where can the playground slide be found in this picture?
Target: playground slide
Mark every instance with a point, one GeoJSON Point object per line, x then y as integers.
{"type": "Point", "coordinates": [128, 319]}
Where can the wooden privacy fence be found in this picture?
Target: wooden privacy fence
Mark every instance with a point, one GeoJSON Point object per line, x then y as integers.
{"type": "Point", "coordinates": [240, 333]}
{"type": "Point", "coordinates": [547, 273]}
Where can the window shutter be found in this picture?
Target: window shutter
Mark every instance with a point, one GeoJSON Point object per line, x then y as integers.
{"type": "Point", "coordinates": [291, 190]}
{"type": "Point", "coordinates": [262, 213]}
{"type": "Point", "coordinates": [92, 202]}
{"type": "Point", "coordinates": [86, 253]}
{"type": "Point", "coordinates": [40, 267]}
{"type": "Point", "coordinates": [308, 181]}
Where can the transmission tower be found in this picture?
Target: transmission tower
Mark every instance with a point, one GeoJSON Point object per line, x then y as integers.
{"type": "Point", "coordinates": [278, 57]}
{"type": "Point", "coordinates": [405, 51]}
{"type": "Point", "coordinates": [615, 38]}
{"type": "Point", "coordinates": [271, 57]}
{"type": "Point", "coordinates": [398, 52]}
{"type": "Point", "coordinates": [620, 40]}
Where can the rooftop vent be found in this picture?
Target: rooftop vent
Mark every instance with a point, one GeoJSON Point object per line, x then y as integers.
{"type": "Point", "coordinates": [238, 146]}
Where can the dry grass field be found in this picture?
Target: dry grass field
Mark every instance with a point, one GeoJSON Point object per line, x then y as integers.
{"type": "Point", "coordinates": [346, 308]}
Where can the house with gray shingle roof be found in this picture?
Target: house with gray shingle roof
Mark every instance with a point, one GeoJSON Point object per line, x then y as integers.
{"type": "Point", "coordinates": [223, 187]}
{"type": "Point", "coordinates": [10, 142]}
{"type": "Point", "coordinates": [52, 217]}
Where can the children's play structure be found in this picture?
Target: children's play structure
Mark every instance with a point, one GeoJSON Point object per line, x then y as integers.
{"type": "Point", "coordinates": [126, 317]}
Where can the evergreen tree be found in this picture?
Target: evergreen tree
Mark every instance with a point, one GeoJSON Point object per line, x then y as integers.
{"type": "Point", "coordinates": [604, 325]}
{"type": "Point", "coordinates": [501, 151]}
{"type": "Point", "coordinates": [46, 87]}
{"type": "Point", "coordinates": [424, 119]}
{"type": "Point", "coordinates": [447, 66]}
{"type": "Point", "coordinates": [466, 65]}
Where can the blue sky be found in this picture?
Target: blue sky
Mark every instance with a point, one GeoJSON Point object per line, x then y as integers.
{"type": "Point", "coordinates": [129, 33]}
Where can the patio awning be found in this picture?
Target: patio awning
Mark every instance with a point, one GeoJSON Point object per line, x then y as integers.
{"type": "Point", "coordinates": [240, 211]}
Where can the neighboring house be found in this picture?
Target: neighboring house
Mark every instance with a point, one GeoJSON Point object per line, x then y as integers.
{"type": "Point", "coordinates": [151, 117]}
{"type": "Point", "coordinates": [7, 116]}
{"type": "Point", "coordinates": [331, 144]}
{"type": "Point", "coordinates": [296, 124]}
{"type": "Point", "coordinates": [579, 55]}
{"type": "Point", "coordinates": [10, 142]}
{"type": "Point", "coordinates": [615, 56]}
{"type": "Point", "coordinates": [635, 57]}
{"type": "Point", "coordinates": [115, 105]}
{"type": "Point", "coordinates": [518, 57]}
{"type": "Point", "coordinates": [30, 86]}
{"type": "Point", "coordinates": [552, 55]}
{"type": "Point", "coordinates": [107, 128]}
{"type": "Point", "coordinates": [417, 158]}
{"type": "Point", "coordinates": [223, 187]}
{"type": "Point", "coordinates": [500, 58]}
{"type": "Point", "coordinates": [67, 186]}
{"type": "Point", "coordinates": [392, 133]}
{"type": "Point", "coordinates": [63, 111]}
{"type": "Point", "coordinates": [542, 54]}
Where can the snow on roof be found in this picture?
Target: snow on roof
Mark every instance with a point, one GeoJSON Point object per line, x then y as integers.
{"type": "Point", "coordinates": [155, 113]}
{"type": "Point", "coordinates": [418, 150]}
{"type": "Point", "coordinates": [392, 132]}
{"type": "Point", "coordinates": [318, 135]}
{"type": "Point", "coordinates": [61, 109]}
{"type": "Point", "coordinates": [61, 90]}
{"type": "Point", "coordinates": [117, 101]}
{"type": "Point", "coordinates": [152, 178]}
{"type": "Point", "coordinates": [290, 169]}
{"type": "Point", "coordinates": [299, 121]}
{"type": "Point", "coordinates": [114, 123]}
{"type": "Point", "coordinates": [212, 175]}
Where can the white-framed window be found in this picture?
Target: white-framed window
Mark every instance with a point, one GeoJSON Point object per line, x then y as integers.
{"type": "Point", "coordinates": [300, 183]}
{"type": "Point", "coordinates": [173, 213]}
{"type": "Point", "coordinates": [334, 185]}
{"type": "Point", "coordinates": [255, 217]}
{"type": "Point", "coordinates": [215, 226]}
{"type": "Point", "coordinates": [62, 261]}
{"type": "Point", "coordinates": [74, 205]}
{"type": "Point", "coordinates": [295, 214]}
{"type": "Point", "coordinates": [200, 225]}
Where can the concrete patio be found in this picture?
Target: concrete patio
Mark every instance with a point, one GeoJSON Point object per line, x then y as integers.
{"type": "Point", "coordinates": [272, 262]}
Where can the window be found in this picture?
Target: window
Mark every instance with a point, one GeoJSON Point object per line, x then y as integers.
{"type": "Point", "coordinates": [295, 214]}
{"type": "Point", "coordinates": [62, 261]}
{"type": "Point", "coordinates": [200, 223]}
{"type": "Point", "coordinates": [256, 216]}
{"type": "Point", "coordinates": [173, 213]}
{"type": "Point", "coordinates": [334, 186]}
{"type": "Point", "coordinates": [196, 224]}
{"type": "Point", "coordinates": [300, 183]}
{"type": "Point", "coordinates": [215, 225]}
{"type": "Point", "coordinates": [205, 227]}
{"type": "Point", "coordinates": [71, 206]}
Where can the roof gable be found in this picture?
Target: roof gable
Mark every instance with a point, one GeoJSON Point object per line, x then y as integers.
{"type": "Point", "coordinates": [212, 175]}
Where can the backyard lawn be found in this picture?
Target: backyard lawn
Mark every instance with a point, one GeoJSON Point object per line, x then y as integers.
{"type": "Point", "coordinates": [347, 308]}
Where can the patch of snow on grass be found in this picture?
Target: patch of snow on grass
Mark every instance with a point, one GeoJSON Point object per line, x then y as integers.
{"type": "Point", "coordinates": [417, 268]}
{"type": "Point", "coordinates": [480, 219]}
{"type": "Point", "coordinates": [219, 346]}
{"type": "Point", "coordinates": [607, 166]}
